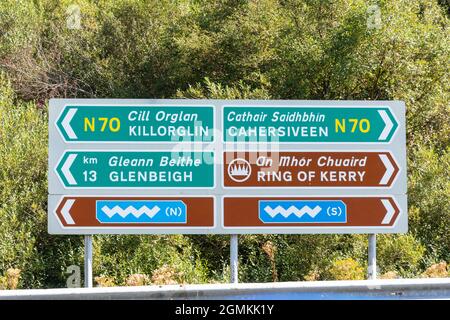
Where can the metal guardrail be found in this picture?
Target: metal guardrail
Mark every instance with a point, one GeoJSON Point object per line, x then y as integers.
{"type": "Point", "coordinates": [438, 288]}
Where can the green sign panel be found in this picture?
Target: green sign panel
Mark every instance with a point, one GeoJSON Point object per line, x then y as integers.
{"type": "Point", "coordinates": [136, 169]}
{"type": "Point", "coordinates": [137, 123]}
{"type": "Point", "coordinates": [308, 124]}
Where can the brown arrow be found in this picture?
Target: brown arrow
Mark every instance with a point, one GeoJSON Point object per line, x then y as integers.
{"type": "Point", "coordinates": [309, 169]}
{"type": "Point", "coordinates": [80, 211]}
{"type": "Point", "coordinates": [363, 212]}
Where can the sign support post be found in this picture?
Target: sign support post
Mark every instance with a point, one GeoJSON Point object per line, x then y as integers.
{"type": "Point", "coordinates": [88, 261]}
{"type": "Point", "coordinates": [372, 269]}
{"type": "Point", "coordinates": [234, 258]}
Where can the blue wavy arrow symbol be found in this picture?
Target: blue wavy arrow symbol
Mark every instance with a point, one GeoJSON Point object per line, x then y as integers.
{"type": "Point", "coordinates": [302, 211]}
{"type": "Point", "coordinates": [141, 211]}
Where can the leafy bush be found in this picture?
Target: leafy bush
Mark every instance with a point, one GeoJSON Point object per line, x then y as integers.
{"type": "Point", "coordinates": [400, 253]}
{"type": "Point", "coordinates": [437, 270]}
{"type": "Point", "coordinates": [23, 197]}
{"type": "Point", "coordinates": [346, 269]}
{"type": "Point", "coordinates": [429, 201]}
{"type": "Point", "coordinates": [119, 257]}
{"type": "Point", "coordinates": [10, 280]}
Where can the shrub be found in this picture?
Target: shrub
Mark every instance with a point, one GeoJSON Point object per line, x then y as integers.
{"type": "Point", "coordinates": [103, 281]}
{"type": "Point", "coordinates": [166, 275]}
{"type": "Point", "coordinates": [136, 279]}
{"type": "Point", "coordinates": [313, 275]}
{"type": "Point", "coordinates": [118, 257]}
{"type": "Point", "coordinates": [437, 270]}
{"type": "Point", "coordinates": [389, 275]}
{"type": "Point", "coordinates": [23, 196]}
{"type": "Point", "coordinates": [346, 269]}
{"type": "Point", "coordinates": [10, 280]}
{"type": "Point", "coordinates": [400, 253]}
{"type": "Point", "coordinates": [429, 201]}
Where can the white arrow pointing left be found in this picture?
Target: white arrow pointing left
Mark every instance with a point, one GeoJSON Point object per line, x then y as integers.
{"type": "Point", "coordinates": [66, 123]}
{"type": "Point", "coordinates": [390, 210]}
{"type": "Point", "coordinates": [66, 211]}
{"type": "Point", "coordinates": [389, 169]}
{"type": "Point", "coordinates": [66, 169]}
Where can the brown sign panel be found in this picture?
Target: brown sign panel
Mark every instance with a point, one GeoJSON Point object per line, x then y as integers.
{"type": "Point", "coordinates": [131, 212]}
{"type": "Point", "coordinates": [310, 212]}
{"type": "Point", "coordinates": [309, 169]}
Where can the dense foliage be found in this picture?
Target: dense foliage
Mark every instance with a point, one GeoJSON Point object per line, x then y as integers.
{"type": "Point", "coordinates": [267, 49]}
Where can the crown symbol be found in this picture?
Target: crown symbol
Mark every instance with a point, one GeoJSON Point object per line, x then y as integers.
{"type": "Point", "coordinates": [238, 170]}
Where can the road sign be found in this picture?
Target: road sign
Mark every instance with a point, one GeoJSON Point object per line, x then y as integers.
{"type": "Point", "coordinates": [131, 123]}
{"type": "Point", "coordinates": [337, 214]}
{"type": "Point", "coordinates": [309, 169]}
{"type": "Point", "coordinates": [345, 155]}
{"type": "Point", "coordinates": [308, 124]}
{"type": "Point", "coordinates": [136, 169]}
{"type": "Point", "coordinates": [123, 214]}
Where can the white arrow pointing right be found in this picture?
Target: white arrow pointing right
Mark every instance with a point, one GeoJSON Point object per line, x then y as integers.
{"type": "Point", "coordinates": [66, 211]}
{"type": "Point", "coordinates": [388, 125]}
{"type": "Point", "coordinates": [389, 213]}
{"type": "Point", "coordinates": [66, 123]}
{"type": "Point", "coordinates": [389, 169]}
{"type": "Point", "coordinates": [66, 169]}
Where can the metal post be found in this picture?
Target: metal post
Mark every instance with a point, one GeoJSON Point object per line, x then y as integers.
{"type": "Point", "coordinates": [234, 258]}
{"type": "Point", "coordinates": [88, 261]}
{"type": "Point", "coordinates": [372, 270]}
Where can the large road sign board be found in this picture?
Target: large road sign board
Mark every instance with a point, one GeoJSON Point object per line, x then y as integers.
{"type": "Point", "coordinates": [131, 123]}
{"type": "Point", "coordinates": [308, 124]}
{"type": "Point", "coordinates": [346, 157]}
{"type": "Point", "coordinates": [309, 169]}
{"type": "Point", "coordinates": [124, 214]}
